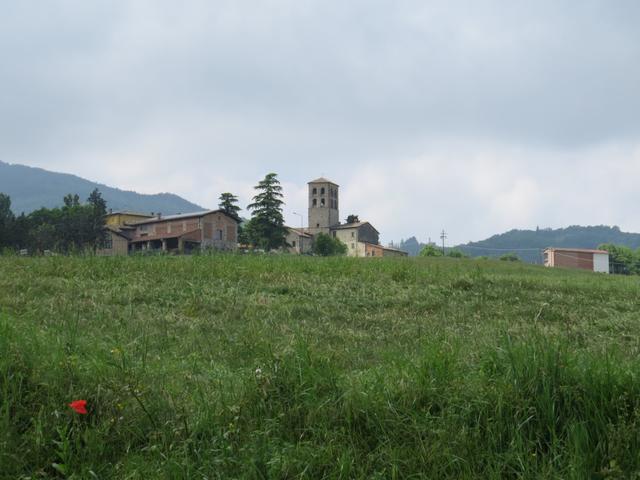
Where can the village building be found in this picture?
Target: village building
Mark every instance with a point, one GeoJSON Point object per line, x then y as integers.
{"type": "Point", "coordinates": [299, 241]}
{"type": "Point", "coordinates": [361, 238]}
{"type": "Point", "coordinates": [583, 259]}
{"type": "Point", "coordinates": [116, 242]}
{"type": "Point", "coordinates": [171, 233]}
{"type": "Point", "coordinates": [119, 219]}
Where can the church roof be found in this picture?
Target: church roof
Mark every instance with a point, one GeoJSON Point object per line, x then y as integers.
{"type": "Point", "coordinates": [344, 226]}
{"type": "Point", "coordinates": [323, 180]}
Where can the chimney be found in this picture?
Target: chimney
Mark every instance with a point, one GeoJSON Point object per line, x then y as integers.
{"type": "Point", "coordinates": [159, 215]}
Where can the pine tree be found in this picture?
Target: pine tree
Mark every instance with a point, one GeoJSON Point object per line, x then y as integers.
{"type": "Point", "coordinates": [267, 228]}
{"type": "Point", "coordinates": [228, 204]}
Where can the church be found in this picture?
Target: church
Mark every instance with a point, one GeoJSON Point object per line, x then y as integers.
{"type": "Point", "coordinates": [361, 238]}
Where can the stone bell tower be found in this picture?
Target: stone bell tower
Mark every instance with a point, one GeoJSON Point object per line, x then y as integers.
{"type": "Point", "coordinates": [323, 206]}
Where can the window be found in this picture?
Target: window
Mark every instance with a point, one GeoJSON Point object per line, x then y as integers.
{"type": "Point", "coordinates": [353, 245]}
{"type": "Point", "coordinates": [315, 202]}
{"type": "Point", "coordinates": [322, 202]}
{"type": "Point", "coordinates": [353, 234]}
{"type": "Point", "coordinates": [315, 191]}
{"type": "Point", "coordinates": [219, 232]}
{"type": "Point", "coordinates": [317, 225]}
{"type": "Point", "coordinates": [108, 242]}
{"type": "Point", "coordinates": [293, 244]}
{"type": "Point", "coordinates": [322, 191]}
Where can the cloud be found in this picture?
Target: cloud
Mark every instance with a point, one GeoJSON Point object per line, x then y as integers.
{"type": "Point", "coordinates": [430, 114]}
{"type": "Point", "coordinates": [477, 190]}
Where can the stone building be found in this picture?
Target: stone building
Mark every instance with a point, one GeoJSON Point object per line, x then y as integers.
{"type": "Point", "coordinates": [299, 241]}
{"type": "Point", "coordinates": [361, 238]}
{"type": "Point", "coordinates": [323, 206]}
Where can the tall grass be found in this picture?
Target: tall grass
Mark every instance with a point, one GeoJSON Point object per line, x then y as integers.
{"type": "Point", "coordinates": [229, 366]}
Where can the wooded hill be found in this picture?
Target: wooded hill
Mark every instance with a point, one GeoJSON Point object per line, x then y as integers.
{"type": "Point", "coordinates": [33, 188]}
{"type": "Point", "coordinates": [527, 244]}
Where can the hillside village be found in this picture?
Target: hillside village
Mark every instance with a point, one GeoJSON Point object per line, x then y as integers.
{"type": "Point", "coordinates": [130, 232]}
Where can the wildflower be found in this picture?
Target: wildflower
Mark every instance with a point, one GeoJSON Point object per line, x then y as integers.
{"type": "Point", "coordinates": [79, 406]}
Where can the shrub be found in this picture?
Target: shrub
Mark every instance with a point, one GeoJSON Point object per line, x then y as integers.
{"type": "Point", "coordinates": [430, 250]}
{"type": "Point", "coordinates": [326, 246]}
{"type": "Point", "coordinates": [455, 253]}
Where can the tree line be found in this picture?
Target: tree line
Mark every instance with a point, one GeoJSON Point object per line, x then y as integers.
{"type": "Point", "coordinates": [77, 226]}
{"type": "Point", "coordinates": [622, 260]}
{"type": "Point", "coordinates": [73, 227]}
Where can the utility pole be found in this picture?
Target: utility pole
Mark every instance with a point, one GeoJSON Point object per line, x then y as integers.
{"type": "Point", "coordinates": [443, 235]}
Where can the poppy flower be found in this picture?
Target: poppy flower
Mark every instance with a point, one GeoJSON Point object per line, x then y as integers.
{"type": "Point", "coordinates": [79, 406]}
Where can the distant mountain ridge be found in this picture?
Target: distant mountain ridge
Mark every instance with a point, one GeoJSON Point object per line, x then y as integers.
{"type": "Point", "coordinates": [528, 244]}
{"type": "Point", "coordinates": [31, 188]}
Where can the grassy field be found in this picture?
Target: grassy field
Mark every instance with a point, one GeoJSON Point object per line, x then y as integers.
{"type": "Point", "coordinates": [284, 367]}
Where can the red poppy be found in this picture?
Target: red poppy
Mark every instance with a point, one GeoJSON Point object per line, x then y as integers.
{"type": "Point", "coordinates": [79, 406]}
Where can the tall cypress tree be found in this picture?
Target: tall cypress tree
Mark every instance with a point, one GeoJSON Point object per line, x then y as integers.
{"type": "Point", "coordinates": [228, 204]}
{"type": "Point", "coordinates": [266, 226]}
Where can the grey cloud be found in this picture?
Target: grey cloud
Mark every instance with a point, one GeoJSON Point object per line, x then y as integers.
{"type": "Point", "coordinates": [305, 87]}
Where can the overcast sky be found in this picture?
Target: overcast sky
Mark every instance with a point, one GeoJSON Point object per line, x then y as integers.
{"type": "Point", "coordinates": [473, 116]}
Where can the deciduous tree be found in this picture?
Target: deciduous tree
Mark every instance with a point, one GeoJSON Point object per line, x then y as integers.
{"type": "Point", "coordinates": [326, 245]}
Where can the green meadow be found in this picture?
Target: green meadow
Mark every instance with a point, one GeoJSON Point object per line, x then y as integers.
{"type": "Point", "coordinates": [282, 367]}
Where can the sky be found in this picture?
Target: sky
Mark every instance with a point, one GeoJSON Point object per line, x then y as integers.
{"type": "Point", "coordinates": [475, 117]}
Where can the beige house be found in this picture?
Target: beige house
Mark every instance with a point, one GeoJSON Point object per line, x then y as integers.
{"type": "Point", "coordinates": [116, 242]}
{"type": "Point", "coordinates": [356, 236]}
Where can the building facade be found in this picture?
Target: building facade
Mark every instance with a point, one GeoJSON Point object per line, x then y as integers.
{"type": "Point", "coordinates": [361, 238]}
{"type": "Point", "coordinates": [172, 233]}
{"type": "Point", "coordinates": [579, 258]}
{"type": "Point", "coordinates": [299, 241]}
{"type": "Point", "coordinates": [323, 206]}
{"type": "Point", "coordinates": [355, 236]}
{"type": "Point", "coordinates": [185, 232]}
{"type": "Point", "coordinates": [116, 242]}
{"type": "Point", "coordinates": [118, 219]}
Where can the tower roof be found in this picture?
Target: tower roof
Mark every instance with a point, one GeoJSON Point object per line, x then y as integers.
{"type": "Point", "coordinates": [323, 180]}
